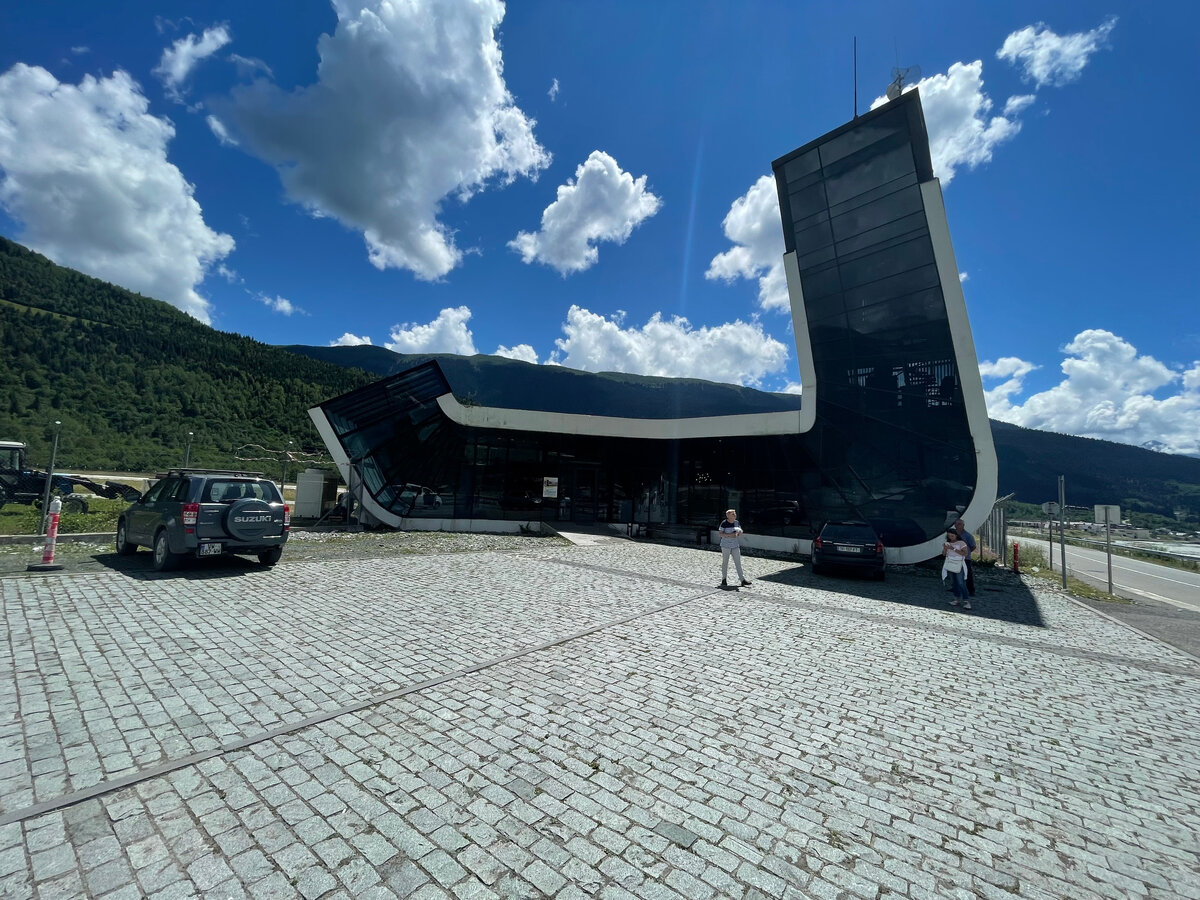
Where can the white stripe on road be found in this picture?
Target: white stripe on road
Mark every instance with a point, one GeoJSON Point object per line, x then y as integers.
{"type": "Point", "coordinates": [1190, 584]}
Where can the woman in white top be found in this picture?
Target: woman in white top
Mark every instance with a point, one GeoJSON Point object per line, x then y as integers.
{"type": "Point", "coordinates": [955, 551]}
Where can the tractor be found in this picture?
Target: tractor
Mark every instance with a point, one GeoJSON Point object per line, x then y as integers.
{"type": "Point", "coordinates": [19, 484]}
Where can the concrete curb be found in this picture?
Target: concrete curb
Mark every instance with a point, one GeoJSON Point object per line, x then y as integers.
{"type": "Point", "coordinates": [1110, 617]}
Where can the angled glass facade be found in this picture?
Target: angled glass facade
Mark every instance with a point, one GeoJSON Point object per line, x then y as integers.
{"type": "Point", "coordinates": [892, 435]}
{"type": "Point", "coordinates": [891, 429]}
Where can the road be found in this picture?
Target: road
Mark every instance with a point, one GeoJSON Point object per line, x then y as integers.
{"type": "Point", "coordinates": [1134, 579]}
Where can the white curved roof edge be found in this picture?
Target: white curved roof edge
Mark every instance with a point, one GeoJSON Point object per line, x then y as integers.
{"type": "Point", "coordinates": [740, 425]}
{"type": "Point", "coordinates": [804, 356]}
{"type": "Point", "coordinates": [338, 452]}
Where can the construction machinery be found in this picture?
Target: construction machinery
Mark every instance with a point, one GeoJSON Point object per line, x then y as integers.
{"type": "Point", "coordinates": [20, 484]}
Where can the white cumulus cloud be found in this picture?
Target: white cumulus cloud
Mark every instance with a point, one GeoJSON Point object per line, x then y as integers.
{"type": "Point", "coordinates": [553, 92]}
{"type": "Point", "coordinates": [185, 54]}
{"type": "Point", "coordinates": [1047, 58]}
{"type": "Point", "coordinates": [737, 352]}
{"type": "Point", "coordinates": [755, 228]}
{"type": "Point", "coordinates": [350, 340]}
{"type": "Point", "coordinates": [448, 333]}
{"type": "Point", "coordinates": [957, 116]}
{"type": "Point", "coordinates": [523, 352]}
{"type": "Point", "coordinates": [602, 203]}
{"type": "Point", "coordinates": [1108, 391]}
{"type": "Point", "coordinates": [279, 304]}
{"type": "Point", "coordinates": [410, 108]}
{"type": "Point", "coordinates": [85, 172]}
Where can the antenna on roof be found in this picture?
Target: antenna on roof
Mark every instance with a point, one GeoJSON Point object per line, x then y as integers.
{"type": "Point", "coordinates": [856, 76]}
{"type": "Point", "coordinates": [901, 77]}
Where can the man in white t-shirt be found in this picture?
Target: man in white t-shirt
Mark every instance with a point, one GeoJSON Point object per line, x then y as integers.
{"type": "Point", "coordinates": [731, 532]}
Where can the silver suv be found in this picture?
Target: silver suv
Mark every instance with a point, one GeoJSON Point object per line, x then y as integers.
{"type": "Point", "coordinates": [206, 512]}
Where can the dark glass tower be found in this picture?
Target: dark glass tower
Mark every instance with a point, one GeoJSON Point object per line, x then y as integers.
{"type": "Point", "coordinates": [901, 432]}
{"type": "Point", "coordinates": [891, 428]}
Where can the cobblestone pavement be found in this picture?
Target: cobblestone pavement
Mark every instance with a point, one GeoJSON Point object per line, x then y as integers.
{"type": "Point", "coordinates": [549, 720]}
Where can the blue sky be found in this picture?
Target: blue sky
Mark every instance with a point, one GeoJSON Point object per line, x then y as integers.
{"type": "Point", "coordinates": [584, 183]}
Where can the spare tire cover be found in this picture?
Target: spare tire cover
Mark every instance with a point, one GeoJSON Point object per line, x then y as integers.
{"type": "Point", "coordinates": [250, 519]}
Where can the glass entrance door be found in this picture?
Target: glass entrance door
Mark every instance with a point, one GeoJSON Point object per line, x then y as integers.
{"type": "Point", "coordinates": [584, 495]}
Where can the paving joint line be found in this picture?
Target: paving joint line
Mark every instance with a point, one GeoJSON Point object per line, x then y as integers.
{"type": "Point", "coordinates": [107, 787]}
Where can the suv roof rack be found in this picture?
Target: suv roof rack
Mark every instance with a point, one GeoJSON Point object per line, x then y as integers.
{"type": "Point", "coordinates": [237, 472]}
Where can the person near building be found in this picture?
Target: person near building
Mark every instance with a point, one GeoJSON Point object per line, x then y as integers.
{"type": "Point", "coordinates": [969, 540]}
{"type": "Point", "coordinates": [955, 552]}
{"type": "Point", "coordinates": [731, 533]}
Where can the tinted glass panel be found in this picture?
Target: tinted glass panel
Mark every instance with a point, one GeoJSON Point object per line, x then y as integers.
{"type": "Point", "coordinates": [877, 166]}
{"type": "Point", "coordinates": [878, 213]}
{"type": "Point", "coordinates": [802, 165]}
{"type": "Point", "coordinates": [807, 201]}
{"type": "Point", "coordinates": [819, 235]}
{"type": "Point", "coordinates": [878, 129]}
{"type": "Point", "coordinates": [871, 267]}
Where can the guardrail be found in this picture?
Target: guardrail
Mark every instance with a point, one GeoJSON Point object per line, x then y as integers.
{"type": "Point", "coordinates": [1125, 548]}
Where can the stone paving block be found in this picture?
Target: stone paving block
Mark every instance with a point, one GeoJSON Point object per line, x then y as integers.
{"type": "Point", "coordinates": [749, 748]}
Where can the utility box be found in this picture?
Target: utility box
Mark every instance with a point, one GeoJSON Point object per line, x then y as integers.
{"type": "Point", "coordinates": [316, 492]}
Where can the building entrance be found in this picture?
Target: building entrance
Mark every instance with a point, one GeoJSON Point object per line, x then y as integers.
{"type": "Point", "coordinates": [582, 485]}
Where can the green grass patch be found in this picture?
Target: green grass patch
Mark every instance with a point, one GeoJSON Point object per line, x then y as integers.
{"type": "Point", "coordinates": [101, 516]}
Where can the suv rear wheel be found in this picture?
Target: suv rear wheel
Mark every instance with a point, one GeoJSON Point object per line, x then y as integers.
{"type": "Point", "coordinates": [124, 548]}
{"type": "Point", "coordinates": [270, 557]}
{"type": "Point", "coordinates": [164, 559]}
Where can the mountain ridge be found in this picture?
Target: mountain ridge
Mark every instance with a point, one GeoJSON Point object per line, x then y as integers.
{"type": "Point", "coordinates": [130, 376]}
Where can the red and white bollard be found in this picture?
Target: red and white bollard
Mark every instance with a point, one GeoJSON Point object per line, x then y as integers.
{"type": "Point", "coordinates": [48, 564]}
{"type": "Point", "coordinates": [1016, 557]}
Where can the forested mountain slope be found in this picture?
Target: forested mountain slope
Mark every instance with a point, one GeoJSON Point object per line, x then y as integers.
{"type": "Point", "coordinates": [130, 376]}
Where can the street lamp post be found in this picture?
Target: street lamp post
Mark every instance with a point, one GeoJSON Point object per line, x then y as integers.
{"type": "Point", "coordinates": [49, 479]}
{"type": "Point", "coordinates": [187, 450]}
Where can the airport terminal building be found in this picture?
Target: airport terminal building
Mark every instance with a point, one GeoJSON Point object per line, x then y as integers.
{"type": "Point", "coordinates": [891, 427]}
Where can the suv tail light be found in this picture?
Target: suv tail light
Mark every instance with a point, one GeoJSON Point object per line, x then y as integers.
{"type": "Point", "coordinates": [190, 513]}
{"type": "Point", "coordinates": [817, 543]}
{"type": "Point", "coordinates": [879, 547]}
{"type": "Point", "coordinates": [287, 517]}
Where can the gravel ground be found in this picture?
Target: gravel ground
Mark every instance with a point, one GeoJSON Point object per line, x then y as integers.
{"type": "Point", "coordinates": [301, 546]}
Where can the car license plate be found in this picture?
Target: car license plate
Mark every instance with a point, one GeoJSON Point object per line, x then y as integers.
{"type": "Point", "coordinates": [210, 550]}
{"type": "Point", "coordinates": [846, 548]}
